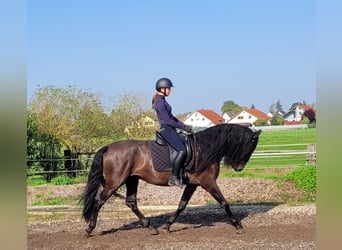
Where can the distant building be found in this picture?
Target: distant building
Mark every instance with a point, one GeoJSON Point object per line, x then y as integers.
{"type": "Point", "coordinates": [227, 116]}
{"type": "Point", "coordinates": [295, 115]}
{"type": "Point", "coordinates": [203, 118]}
{"type": "Point", "coordinates": [247, 117]}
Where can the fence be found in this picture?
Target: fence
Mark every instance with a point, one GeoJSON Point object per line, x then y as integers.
{"type": "Point", "coordinates": [68, 165]}
{"type": "Point", "coordinates": [259, 159]}
{"type": "Point", "coordinates": [286, 157]}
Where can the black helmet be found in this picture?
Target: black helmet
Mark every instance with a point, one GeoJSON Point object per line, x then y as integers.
{"type": "Point", "coordinates": [163, 83]}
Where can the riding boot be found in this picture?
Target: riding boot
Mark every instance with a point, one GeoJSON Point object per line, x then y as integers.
{"type": "Point", "coordinates": [174, 179]}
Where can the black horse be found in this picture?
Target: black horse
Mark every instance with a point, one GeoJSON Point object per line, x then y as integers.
{"type": "Point", "coordinates": [125, 162]}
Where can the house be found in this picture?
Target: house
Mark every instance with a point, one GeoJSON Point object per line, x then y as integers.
{"type": "Point", "coordinates": [295, 115]}
{"type": "Point", "coordinates": [247, 117]}
{"type": "Point", "coordinates": [142, 122]}
{"type": "Point", "coordinates": [203, 118]}
{"type": "Point", "coordinates": [227, 116]}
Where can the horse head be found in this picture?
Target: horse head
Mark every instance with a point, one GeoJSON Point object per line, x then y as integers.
{"type": "Point", "coordinates": [246, 149]}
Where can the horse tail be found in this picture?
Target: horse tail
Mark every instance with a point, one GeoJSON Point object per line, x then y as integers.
{"type": "Point", "coordinates": [95, 179]}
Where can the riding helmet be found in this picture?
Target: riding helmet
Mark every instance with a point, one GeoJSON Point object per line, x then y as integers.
{"type": "Point", "coordinates": [163, 83]}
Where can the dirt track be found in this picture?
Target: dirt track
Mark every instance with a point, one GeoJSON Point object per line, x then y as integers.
{"type": "Point", "coordinates": [266, 225]}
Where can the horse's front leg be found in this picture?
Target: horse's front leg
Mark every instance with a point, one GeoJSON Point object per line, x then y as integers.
{"type": "Point", "coordinates": [218, 196]}
{"type": "Point", "coordinates": [187, 194]}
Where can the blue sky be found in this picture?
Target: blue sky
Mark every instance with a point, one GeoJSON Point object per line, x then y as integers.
{"type": "Point", "coordinates": [251, 52]}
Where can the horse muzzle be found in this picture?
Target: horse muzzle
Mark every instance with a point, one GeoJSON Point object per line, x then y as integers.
{"type": "Point", "coordinates": [239, 167]}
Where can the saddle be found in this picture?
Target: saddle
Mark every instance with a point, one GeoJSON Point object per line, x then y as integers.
{"type": "Point", "coordinates": [163, 154]}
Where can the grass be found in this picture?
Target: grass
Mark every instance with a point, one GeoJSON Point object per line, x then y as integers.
{"type": "Point", "coordinates": [303, 177]}
{"type": "Point", "coordinates": [47, 200]}
{"type": "Point", "coordinates": [36, 180]}
{"type": "Point", "coordinates": [282, 148]}
{"type": "Point", "coordinates": [286, 137]}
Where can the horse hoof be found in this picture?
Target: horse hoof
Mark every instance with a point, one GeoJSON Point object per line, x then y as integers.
{"type": "Point", "coordinates": [239, 231]}
{"type": "Point", "coordinates": [166, 228]}
{"type": "Point", "coordinates": [154, 231]}
{"type": "Point", "coordinates": [88, 231]}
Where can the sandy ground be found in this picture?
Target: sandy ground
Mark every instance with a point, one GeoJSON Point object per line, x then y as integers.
{"type": "Point", "coordinates": [268, 224]}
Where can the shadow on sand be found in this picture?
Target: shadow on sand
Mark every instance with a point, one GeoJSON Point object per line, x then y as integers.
{"type": "Point", "coordinates": [202, 216]}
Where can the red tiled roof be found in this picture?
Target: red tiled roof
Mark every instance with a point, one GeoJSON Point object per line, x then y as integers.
{"type": "Point", "coordinates": [258, 114]}
{"type": "Point", "coordinates": [292, 122]}
{"type": "Point", "coordinates": [211, 115]}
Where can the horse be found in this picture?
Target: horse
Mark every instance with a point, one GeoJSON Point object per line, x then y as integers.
{"type": "Point", "coordinates": [128, 161]}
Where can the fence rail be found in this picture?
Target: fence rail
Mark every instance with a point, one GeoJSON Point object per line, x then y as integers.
{"type": "Point", "coordinates": [306, 157]}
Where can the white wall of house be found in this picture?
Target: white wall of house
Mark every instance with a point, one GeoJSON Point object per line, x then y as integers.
{"type": "Point", "coordinates": [198, 120]}
{"type": "Point", "coordinates": [226, 117]}
{"type": "Point", "coordinates": [243, 117]}
{"type": "Point", "coordinates": [295, 115]}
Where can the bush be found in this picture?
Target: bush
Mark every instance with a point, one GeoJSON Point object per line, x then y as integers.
{"type": "Point", "coordinates": [304, 177]}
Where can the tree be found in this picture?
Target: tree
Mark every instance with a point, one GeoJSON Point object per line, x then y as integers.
{"type": "Point", "coordinates": [277, 119]}
{"type": "Point", "coordinates": [32, 140]}
{"type": "Point", "coordinates": [294, 105]}
{"type": "Point", "coordinates": [311, 115]}
{"type": "Point", "coordinates": [72, 116]}
{"type": "Point", "coordinates": [261, 122]}
{"type": "Point", "coordinates": [127, 113]}
{"type": "Point", "coordinates": [231, 106]}
{"type": "Point", "coordinates": [41, 149]}
{"type": "Point", "coordinates": [276, 108]}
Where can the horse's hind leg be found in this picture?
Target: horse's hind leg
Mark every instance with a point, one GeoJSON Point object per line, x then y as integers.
{"type": "Point", "coordinates": [187, 194]}
{"type": "Point", "coordinates": [100, 199]}
{"type": "Point", "coordinates": [131, 201]}
{"type": "Point", "coordinates": [215, 191]}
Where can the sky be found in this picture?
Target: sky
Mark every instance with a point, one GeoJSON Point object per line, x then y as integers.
{"type": "Point", "coordinates": [250, 52]}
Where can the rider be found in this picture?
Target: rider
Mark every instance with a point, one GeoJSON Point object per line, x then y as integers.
{"type": "Point", "coordinates": [168, 124]}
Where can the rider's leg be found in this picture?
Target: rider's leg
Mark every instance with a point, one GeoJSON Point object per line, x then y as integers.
{"type": "Point", "coordinates": [174, 179]}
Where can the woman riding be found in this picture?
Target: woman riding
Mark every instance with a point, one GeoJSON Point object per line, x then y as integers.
{"type": "Point", "coordinates": [168, 124]}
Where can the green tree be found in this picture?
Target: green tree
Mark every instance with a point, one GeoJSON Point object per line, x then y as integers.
{"type": "Point", "coordinates": [294, 105]}
{"type": "Point", "coordinates": [277, 119]}
{"type": "Point", "coordinates": [127, 114]}
{"type": "Point", "coordinates": [72, 116]}
{"type": "Point", "coordinates": [231, 106]}
{"type": "Point", "coordinates": [261, 122]}
{"type": "Point", "coordinates": [276, 108]}
{"type": "Point", "coordinates": [43, 151]}
{"type": "Point", "coordinates": [32, 140]}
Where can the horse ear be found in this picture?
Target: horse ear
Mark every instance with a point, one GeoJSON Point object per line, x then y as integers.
{"type": "Point", "coordinates": [257, 133]}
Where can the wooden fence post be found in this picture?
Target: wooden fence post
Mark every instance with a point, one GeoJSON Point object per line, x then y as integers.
{"type": "Point", "coordinates": [68, 163]}
{"type": "Point", "coordinates": [311, 155]}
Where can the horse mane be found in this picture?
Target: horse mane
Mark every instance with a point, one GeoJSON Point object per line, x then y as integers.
{"type": "Point", "coordinates": [223, 141]}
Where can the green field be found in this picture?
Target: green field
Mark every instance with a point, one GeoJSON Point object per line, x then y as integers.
{"type": "Point", "coordinates": [276, 139]}
{"type": "Point", "coordinates": [283, 148]}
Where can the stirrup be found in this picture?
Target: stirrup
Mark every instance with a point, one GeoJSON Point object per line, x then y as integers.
{"type": "Point", "coordinates": [174, 181]}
